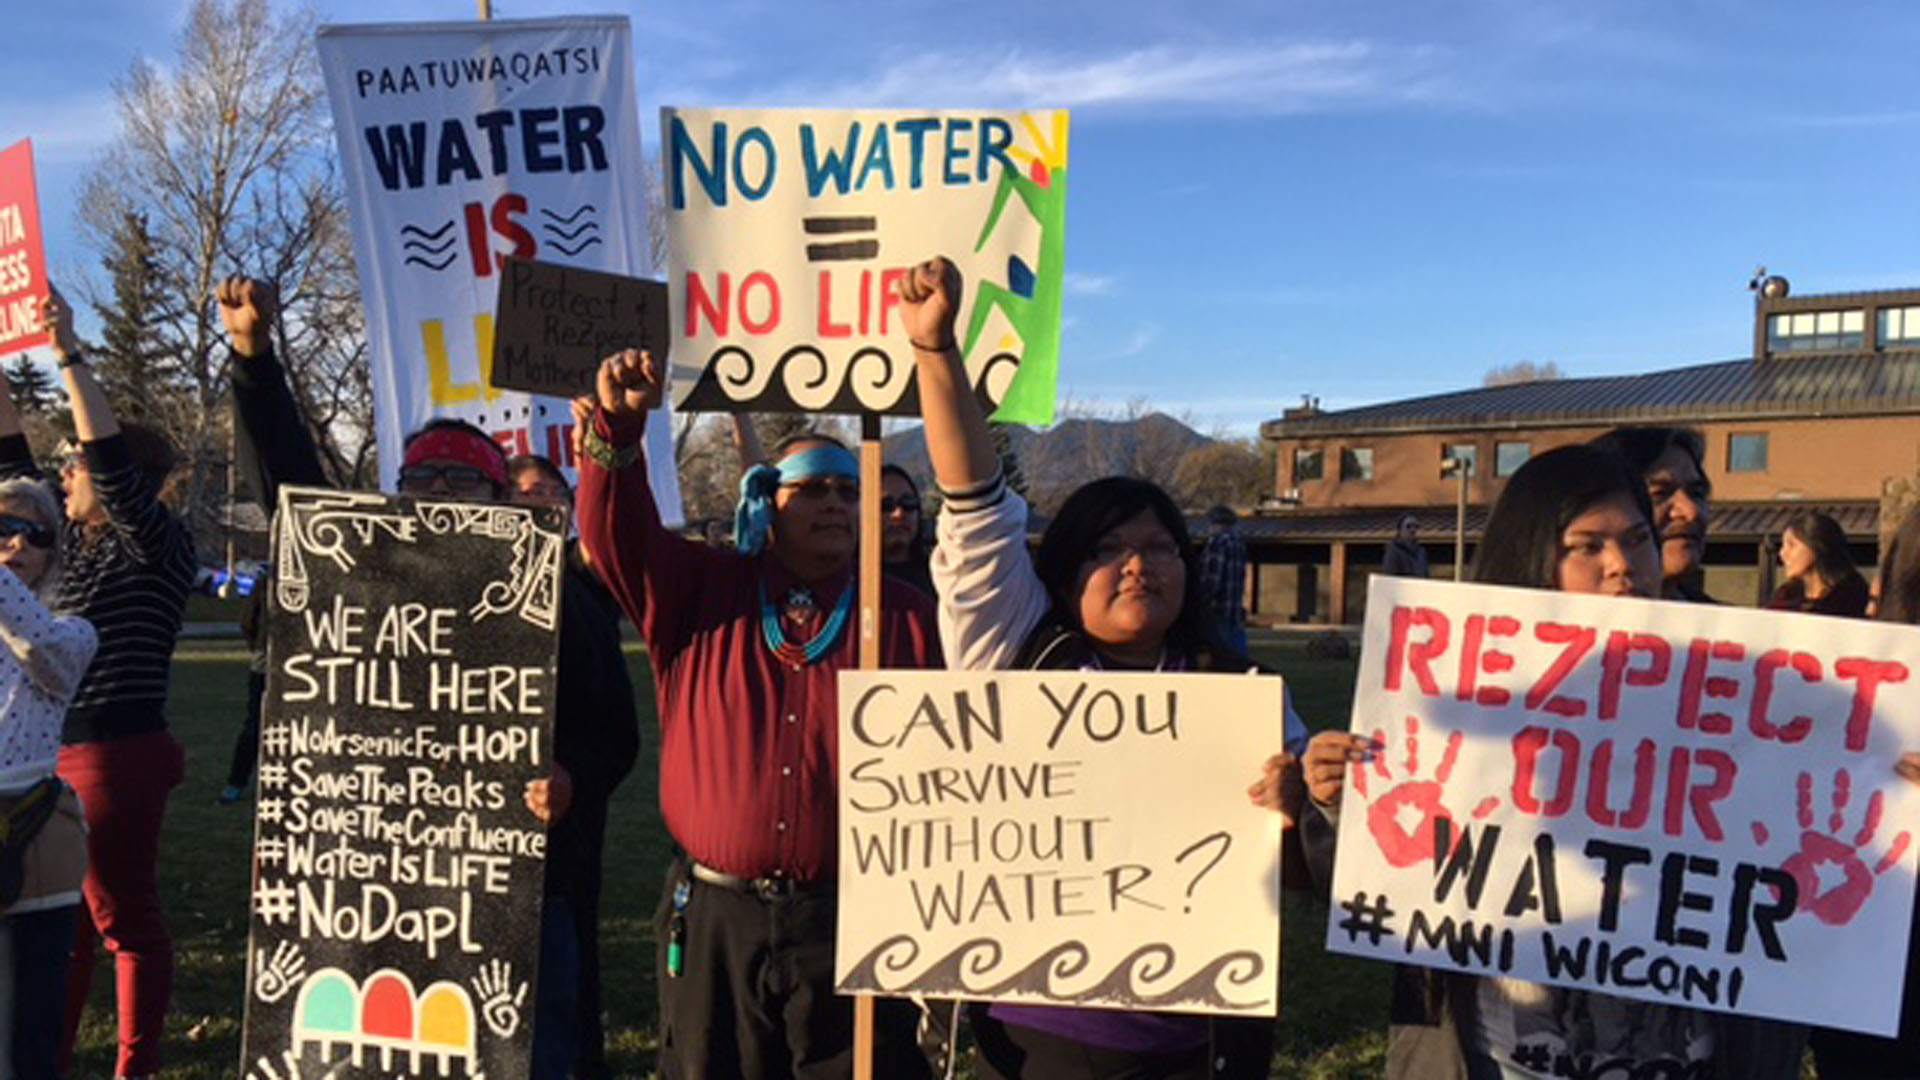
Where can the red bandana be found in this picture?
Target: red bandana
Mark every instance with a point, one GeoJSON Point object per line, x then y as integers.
{"type": "Point", "coordinates": [465, 448]}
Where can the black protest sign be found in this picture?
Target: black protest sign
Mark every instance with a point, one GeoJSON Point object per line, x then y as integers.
{"type": "Point", "coordinates": [1059, 838]}
{"type": "Point", "coordinates": [554, 324]}
{"type": "Point", "coordinates": [397, 872]}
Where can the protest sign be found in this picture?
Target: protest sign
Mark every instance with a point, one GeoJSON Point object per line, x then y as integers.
{"type": "Point", "coordinates": [790, 231]}
{"type": "Point", "coordinates": [1679, 803]}
{"type": "Point", "coordinates": [463, 145]}
{"type": "Point", "coordinates": [397, 872]}
{"type": "Point", "coordinates": [23, 258]}
{"type": "Point", "coordinates": [555, 324]}
{"type": "Point", "coordinates": [1059, 838]}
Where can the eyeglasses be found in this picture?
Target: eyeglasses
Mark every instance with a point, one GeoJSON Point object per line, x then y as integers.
{"type": "Point", "coordinates": [820, 488]}
{"type": "Point", "coordinates": [458, 478]}
{"type": "Point", "coordinates": [1108, 552]}
{"type": "Point", "coordinates": [906, 504]}
{"type": "Point", "coordinates": [37, 534]}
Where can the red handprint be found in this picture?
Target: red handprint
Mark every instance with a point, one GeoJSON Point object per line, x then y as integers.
{"type": "Point", "coordinates": [1422, 799]}
{"type": "Point", "coordinates": [1838, 905]}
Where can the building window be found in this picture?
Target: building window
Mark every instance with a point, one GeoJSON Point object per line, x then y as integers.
{"type": "Point", "coordinates": [1356, 463]}
{"type": "Point", "coordinates": [1747, 453]}
{"type": "Point", "coordinates": [1464, 452]}
{"type": "Point", "coordinates": [1509, 456]}
{"type": "Point", "coordinates": [1900, 326]}
{"type": "Point", "coordinates": [1816, 331]}
{"type": "Point", "coordinates": [1306, 465]}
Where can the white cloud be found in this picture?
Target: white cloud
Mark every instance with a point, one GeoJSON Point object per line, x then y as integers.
{"type": "Point", "coordinates": [1138, 342]}
{"type": "Point", "coordinates": [1269, 77]}
{"type": "Point", "coordinates": [69, 130]}
{"type": "Point", "coordinates": [1079, 284]}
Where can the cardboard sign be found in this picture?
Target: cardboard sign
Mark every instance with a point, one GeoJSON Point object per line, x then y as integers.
{"type": "Point", "coordinates": [1059, 838]}
{"type": "Point", "coordinates": [791, 229]}
{"type": "Point", "coordinates": [398, 874]}
{"type": "Point", "coordinates": [553, 325]}
{"type": "Point", "coordinates": [23, 258]}
{"type": "Point", "coordinates": [1676, 803]}
{"type": "Point", "coordinates": [464, 146]}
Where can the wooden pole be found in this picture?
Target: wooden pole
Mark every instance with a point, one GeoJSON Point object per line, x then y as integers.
{"type": "Point", "coordinates": [870, 486]}
{"type": "Point", "coordinates": [486, 10]}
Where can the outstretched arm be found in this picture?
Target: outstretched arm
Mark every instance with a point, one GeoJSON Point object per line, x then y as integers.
{"type": "Point", "coordinates": [276, 434]}
{"type": "Point", "coordinates": [957, 438]}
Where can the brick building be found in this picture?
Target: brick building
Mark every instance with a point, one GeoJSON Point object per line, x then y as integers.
{"type": "Point", "coordinates": [1821, 416]}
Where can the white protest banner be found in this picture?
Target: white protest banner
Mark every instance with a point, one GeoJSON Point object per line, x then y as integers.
{"type": "Point", "coordinates": [1681, 803]}
{"type": "Point", "coordinates": [1059, 838]}
{"type": "Point", "coordinates": [464, 144]}
{"type": "Point", "coordinates": [790, 230]}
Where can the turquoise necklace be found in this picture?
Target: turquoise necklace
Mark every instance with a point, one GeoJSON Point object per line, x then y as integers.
{"type": "Point", "coordinates": [799, 656]}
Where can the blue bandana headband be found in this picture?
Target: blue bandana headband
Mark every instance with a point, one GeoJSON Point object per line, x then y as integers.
{"type": "Point", "coordinates": [753, 516]}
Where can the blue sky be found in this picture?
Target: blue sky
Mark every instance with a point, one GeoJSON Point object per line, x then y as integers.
{"type": "Point", "coordinates": [1360, 201]}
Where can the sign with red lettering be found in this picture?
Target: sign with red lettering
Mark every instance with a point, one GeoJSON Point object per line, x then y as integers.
{"type": "Point", "coordinates": [790, 231]}
{"type": "Point", "coordinates": [23, 258]}
{"type": "Point", "coordinates": [1683, 804]}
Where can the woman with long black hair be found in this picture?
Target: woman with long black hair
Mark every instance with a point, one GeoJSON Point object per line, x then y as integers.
{"type": "Point", "coordinates": [1821, 577]}
{"type": "Point", "coordinates": [1113, 587]}
{"type": "Point", "coordinates": [1577, 520]}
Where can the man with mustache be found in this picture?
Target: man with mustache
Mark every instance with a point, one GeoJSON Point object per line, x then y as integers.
{"type": "Point", "coordinates": [746, 646]}
{"type": "Point", "coordinates": [1670, 461]}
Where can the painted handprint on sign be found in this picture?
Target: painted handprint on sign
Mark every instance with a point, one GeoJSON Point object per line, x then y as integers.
{"type": "Point", "coordinates": [500, 999]}
{"type": "Point", "coordinates": [1835, 857]}
{"type": "Point", "coordinates": [274, 978]}
{"type": "Point", "coordinates": [1402, 819]}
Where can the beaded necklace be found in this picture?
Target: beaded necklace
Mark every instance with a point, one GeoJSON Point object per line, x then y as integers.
{"type": "Point", "coordinates": [799, 656]}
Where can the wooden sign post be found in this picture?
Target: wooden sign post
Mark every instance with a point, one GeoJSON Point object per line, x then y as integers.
{"type": "Point", "coordinates": [870, 464]}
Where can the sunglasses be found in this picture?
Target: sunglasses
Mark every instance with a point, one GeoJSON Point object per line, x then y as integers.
{"type": "Point", "coordinates": [37, 534]}
{"type": "Point", "coordinates": [906, 504]}
{"type": "Point", "coordinates": [846, 490]}
{"type": "Point", "coordinates": [456, 477]}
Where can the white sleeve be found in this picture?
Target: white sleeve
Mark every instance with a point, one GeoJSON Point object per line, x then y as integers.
{"type": "Point", "coordinates": [53, 650]}
{"type": "Point", "coordinates": [990, 597]}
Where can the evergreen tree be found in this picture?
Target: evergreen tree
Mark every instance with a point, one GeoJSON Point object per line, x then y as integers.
{"type": "Point", "coordinates": [132, 360]}
{"type": "Point", "coordinates": [32, 388]}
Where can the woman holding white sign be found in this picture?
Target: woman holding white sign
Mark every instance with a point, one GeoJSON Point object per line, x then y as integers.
{"type": "Point", "coordinates": [1107, 590]}
{"type": "Point", "coordinates": [1575, 520]}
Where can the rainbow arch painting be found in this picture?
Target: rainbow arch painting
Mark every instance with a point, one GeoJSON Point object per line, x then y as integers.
{"type": "Point", "coordinates": [386, 1015]}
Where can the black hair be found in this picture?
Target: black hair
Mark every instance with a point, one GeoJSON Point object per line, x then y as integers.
{"type": "Point", "coordinates": [1223, 516]}
{"type": "Point", "coordinates": [895, 470]}
{"type": "Point", "coordinates": [1640, 447]}
{"type": "Point", "coordinates": [152, 453]}
{"type": "Point", "coordinates": [1831, 558]}
{"type": "Point", "coordinates": [1900, 573]}
{"type": "Point", "coordinates": [1520, 544]}
{"type": "Point", "coordinates": [1089, 514]}
{"type": "Point", "coordinates": [521, 462]}
{"type": "Point", "coordinates": [799, 438]}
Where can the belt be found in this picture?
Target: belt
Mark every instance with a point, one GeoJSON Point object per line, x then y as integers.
{"type": "Point", "coordinates": [774, 887]}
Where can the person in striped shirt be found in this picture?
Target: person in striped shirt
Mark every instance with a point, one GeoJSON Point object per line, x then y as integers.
{"type": "Point", "coordinates": [129, 563]}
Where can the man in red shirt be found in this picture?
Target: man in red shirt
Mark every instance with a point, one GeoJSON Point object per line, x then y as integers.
{"type": "Point", "coordinates": [746, 648]}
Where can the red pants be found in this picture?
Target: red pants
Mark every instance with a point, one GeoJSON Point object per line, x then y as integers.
{"type": "Point", "coordinates": [123, 786]}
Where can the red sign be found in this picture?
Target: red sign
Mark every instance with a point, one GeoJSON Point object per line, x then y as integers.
{"type": "Point", "coordinates": [23, 259]}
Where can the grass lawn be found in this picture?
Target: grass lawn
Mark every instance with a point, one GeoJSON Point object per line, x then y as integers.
{"type": "Point", "coordinates": [1333, 1009]}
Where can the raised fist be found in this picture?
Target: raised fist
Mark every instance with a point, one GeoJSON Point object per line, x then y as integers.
{"type": "Point", "coordinates": [247, 307]}
{"type": "Point", "coordinates": [630, 383]}
{"type": "Point", "coordinates": [929, 302]}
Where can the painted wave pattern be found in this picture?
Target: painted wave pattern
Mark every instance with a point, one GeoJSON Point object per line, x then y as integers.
{"type": "Point", "coordinates": [564, 235]}
{"type": "Point", "coordinates": [431, 248]}
{"type": "Point", "coordinates": [1233, 982]}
